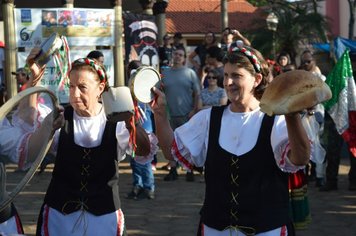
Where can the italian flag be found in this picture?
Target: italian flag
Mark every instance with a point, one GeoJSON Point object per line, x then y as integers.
{"type": "Point", "coordinates": [342, 105]}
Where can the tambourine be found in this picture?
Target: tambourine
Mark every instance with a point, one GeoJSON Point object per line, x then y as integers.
{"type": "Point", "coordinates": [141, 83]}
{"type": "Point", "coordinates": [15, 114]}
{"type": "Point", "coordinates": [117, 100]}
{"type": "Point", "coordinates": [48, 47]}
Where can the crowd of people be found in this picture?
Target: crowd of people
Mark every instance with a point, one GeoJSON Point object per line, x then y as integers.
{"type": "Point", "coordinates": [206, 118]}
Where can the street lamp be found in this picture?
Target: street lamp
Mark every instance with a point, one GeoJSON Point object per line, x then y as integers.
{"type": "Point", "coordinates": [272, 23]}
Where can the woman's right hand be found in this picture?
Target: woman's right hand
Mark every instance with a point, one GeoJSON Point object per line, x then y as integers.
{"type": "Point", "coordinates": [54, 120]}
{"type": "Point", "coordinates": [59, 119]}
{"type": "Point", "coordinates": [158, 105]}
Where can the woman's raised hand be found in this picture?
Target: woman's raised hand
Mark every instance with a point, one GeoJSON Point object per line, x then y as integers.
{"type": "Point", "coordinates": [158, 105]}
{"type": "Point", "coordinates": [36, 71]}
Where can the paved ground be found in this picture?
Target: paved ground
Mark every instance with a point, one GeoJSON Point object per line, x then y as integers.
{"type": "Point", "coordinates": [175, 210]}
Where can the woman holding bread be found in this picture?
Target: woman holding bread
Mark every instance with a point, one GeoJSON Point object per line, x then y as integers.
{"type": "Point", "coordinates": [247, 155]}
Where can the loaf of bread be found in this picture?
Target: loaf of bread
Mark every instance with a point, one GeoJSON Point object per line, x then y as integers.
{"type": "Point", "coordinates": [294, 91]}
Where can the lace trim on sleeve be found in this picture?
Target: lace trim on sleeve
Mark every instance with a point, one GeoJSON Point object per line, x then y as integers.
{"type": "Point", "coordinates": [22, 151]}
{"type": "Point", "coordinates": [181, 157]}
{"type": "Point", "coordinates": [153, 150]}
{"type": "Point", "coordinates": [282, 160]}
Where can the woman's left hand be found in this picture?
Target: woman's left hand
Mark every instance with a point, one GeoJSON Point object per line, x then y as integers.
{"type": "Point", "coordinates": [36, 71]}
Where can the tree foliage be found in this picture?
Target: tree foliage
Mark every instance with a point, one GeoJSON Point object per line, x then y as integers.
{"type": "Point", "coordinates": [299, 24]}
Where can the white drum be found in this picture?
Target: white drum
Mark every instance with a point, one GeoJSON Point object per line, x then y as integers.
{"type": "Point", "coordinates": [141, 83]}
{"type": "Point", "coordinates": [117, 100]}
{"type": "Point", "coordinates": [48, 47]}
{"type": "Point", "coordinates": [15, 115]}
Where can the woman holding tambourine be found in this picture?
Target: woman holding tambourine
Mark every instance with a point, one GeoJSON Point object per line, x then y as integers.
{"type": "Point", "coordinates": [16, 123]}
{"type": "Point", "coordinates": [83, 195]}
{"type": "Point", "coordinates": [247, 147]}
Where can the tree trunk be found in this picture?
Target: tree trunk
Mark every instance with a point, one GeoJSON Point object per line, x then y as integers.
{"type": "Point", "coordinates": [224, 15]}
{"type": "Point", "coordinates": [159, 10]}
{"type": "Point", "coordinates": [352, 5]}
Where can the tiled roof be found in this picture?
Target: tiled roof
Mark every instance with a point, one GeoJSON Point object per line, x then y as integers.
{"type": "Point", "coordinates": [200, 16]}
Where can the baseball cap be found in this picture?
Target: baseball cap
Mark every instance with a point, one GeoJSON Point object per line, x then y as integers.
{"type": "Point", "coordinates": [167, 36]}
{"type": "Point", "coordinates": [21, 70]}
{"type": "Point", "coordinates": [178, 35]}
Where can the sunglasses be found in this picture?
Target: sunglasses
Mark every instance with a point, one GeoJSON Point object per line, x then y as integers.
{"type": "Point", "coordinates": [179, 54]}
{"type": "Point", "coordinates": [306, 61]}
{"type": "Point", "coordinates": [212, 77]}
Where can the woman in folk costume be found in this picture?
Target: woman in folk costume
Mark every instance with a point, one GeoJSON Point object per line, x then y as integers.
{"type": "Point", "coordinates": [83, 195]}
{"type": "Point", "coordinates": [14, 130]}
{"type": "Point", "coordinates": [10, 222]}
{"type": "Point", "coordinates": [246, 154]}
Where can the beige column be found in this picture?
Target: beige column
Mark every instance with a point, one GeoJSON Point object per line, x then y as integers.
{"type": "Point", "coordinates": [10, 47]}
{"type": "Point", "coordinates": [119, 73]}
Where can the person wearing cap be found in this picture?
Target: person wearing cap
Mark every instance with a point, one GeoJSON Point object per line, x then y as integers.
{"type": "Point", "coordinates": [177, 40]}
{"type": "Point", "coordinates": [229, 35]}
{"type": "Point", "coordinates": [165, 51]}
{"type": "Point", "coordinates": [22, 77]}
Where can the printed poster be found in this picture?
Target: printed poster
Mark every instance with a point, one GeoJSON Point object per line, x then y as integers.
{"type": "Point", "coordinates": [81, 26]}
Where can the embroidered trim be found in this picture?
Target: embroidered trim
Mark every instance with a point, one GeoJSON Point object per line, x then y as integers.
{"type": "Point", "coordinates": [238, 46]}
{"type": "Point", "coordinates": [120, 222]}
{"type": "Point", "coordinates": [284, 155]}
{"type": "Point", "coordinates": [179, 156]}
{"type": "Point", "coordinates": [284, 231]}
{"type": "Point", "coordinates": [45, 219]}
{"type": "Point", "coordinates": [100, 70]}
{"type": "Point", "coordinates": [22, 151]}
{"type": "Point", "coordinates": [18, 224]}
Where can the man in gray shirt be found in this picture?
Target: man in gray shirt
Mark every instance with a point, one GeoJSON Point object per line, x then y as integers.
{"type": "Point", "coordinates": [182, 88]}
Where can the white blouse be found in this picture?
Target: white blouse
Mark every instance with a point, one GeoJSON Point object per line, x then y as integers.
{"type": "Point", "coordinates": [88, 132]}
{"type": "Point", "coordinates": [238, 135]}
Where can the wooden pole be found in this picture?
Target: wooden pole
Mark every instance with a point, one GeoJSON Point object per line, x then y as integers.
{"type": "Point", "coordinates": [224, 15]}
{"type": "Point", "coordinates": [119, 73]}
{"type": "Point", "coordinates": [10, 47]}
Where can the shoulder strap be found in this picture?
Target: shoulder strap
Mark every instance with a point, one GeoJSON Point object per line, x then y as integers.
{"type": "Point", "coordinates": [215, 122]}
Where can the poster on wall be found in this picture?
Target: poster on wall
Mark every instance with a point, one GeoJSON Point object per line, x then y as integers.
{"type": "Point", "coordinates": [81, 26]}
{"type": "Point", "coordinates": [141, 38]}
{"type": "Point", "coordinates": [51, 82]}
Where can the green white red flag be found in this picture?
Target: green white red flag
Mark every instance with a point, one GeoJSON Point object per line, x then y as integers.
{"type": "Point", "coordinates": [342, 105]}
